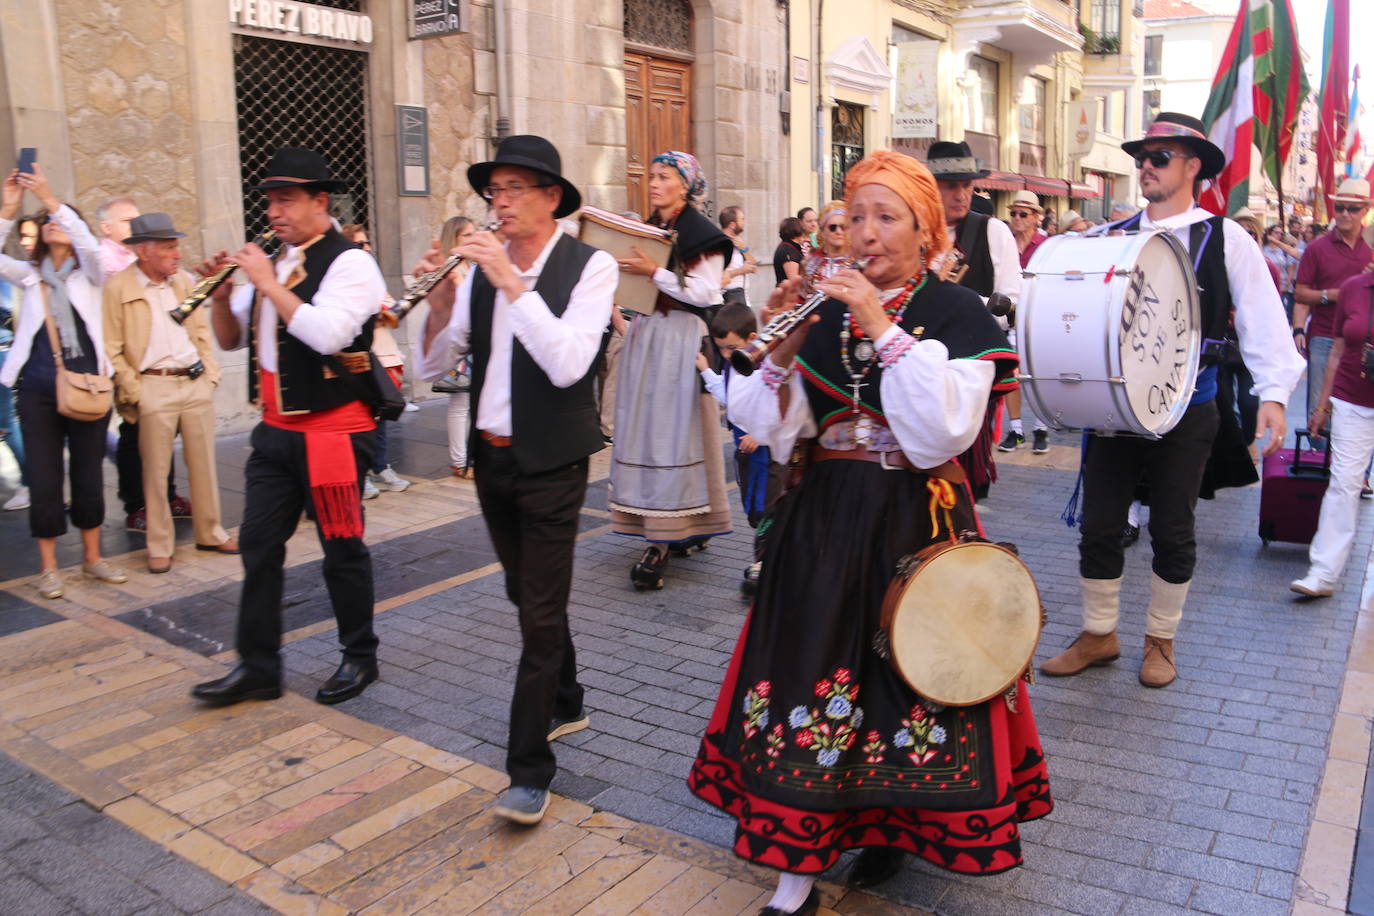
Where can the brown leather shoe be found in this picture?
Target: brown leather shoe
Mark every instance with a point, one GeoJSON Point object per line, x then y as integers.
{"type": "Point", "coordinates": [230, 546]}
{"type": "Point", "coordinates": [1087, 650]}
{"type": "Point", "coordinates": [159, 564]}
{"type": "Point", "coordinates": [1157, 670]}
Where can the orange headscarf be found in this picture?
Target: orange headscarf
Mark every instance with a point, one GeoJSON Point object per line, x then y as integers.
{"type": "Point", "coordinates": [913, 183]}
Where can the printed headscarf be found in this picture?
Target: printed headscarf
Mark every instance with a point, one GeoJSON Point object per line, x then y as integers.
{"type": "Point", "coordinates": [687, 166]}
{"type": "Point", "coordinates": [913, 183]}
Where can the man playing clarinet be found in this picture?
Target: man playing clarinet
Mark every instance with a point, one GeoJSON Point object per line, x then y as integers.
{"type": "Point", "coordinates": [307, 320]}
{"type": "Point", "coordinates": [531, 317]}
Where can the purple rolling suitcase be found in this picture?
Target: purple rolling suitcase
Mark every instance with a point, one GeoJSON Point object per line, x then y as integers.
{"type": "Point", "coordinates": [1291, 489]}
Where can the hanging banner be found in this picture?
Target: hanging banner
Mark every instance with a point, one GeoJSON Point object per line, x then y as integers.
{"type": "Point", "coordinates": [918, 82]}
{"type": "Point", "coordinates": [1082, 128]}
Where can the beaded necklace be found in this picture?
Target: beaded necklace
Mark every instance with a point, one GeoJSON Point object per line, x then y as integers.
{"type": "Point", "coordinates": [895, 309]}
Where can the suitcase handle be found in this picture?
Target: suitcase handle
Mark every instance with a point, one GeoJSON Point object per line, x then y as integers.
{"type": "Point", "coordinates": [1303, 433]}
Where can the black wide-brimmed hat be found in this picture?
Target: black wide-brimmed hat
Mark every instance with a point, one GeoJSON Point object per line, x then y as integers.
{"type": "Point", "coordinates": [152, 227]}
{"type": "Point", "coordinates": [294, 167]}
{"type": "Point", "coordinates": [1170, 125]}
{"type": "Point", "coordinates": [528, 152]}
{"type": "Point", "coordinates": [950, 161]}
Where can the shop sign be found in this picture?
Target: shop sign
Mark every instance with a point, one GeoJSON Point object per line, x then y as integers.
{"type": "Point", "coordinates": [918, 84]}
{"type": "Point", "coordinates": [432, 18]}
{"type": "Point", "coordinates": [412, 150]}
{"type": "Point", "coordinates": [295, 21]}
{"type": "Point", "coordinates": [1082, 128]}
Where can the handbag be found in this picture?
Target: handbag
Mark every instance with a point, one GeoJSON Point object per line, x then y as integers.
{"type": "Point", "coordinates": [80, 395]}
{"type": "Point", "coordinates": [456, 382]}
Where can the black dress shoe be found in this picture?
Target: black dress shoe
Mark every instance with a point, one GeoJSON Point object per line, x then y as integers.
{"type": "Point", "coordinates": [240, 684]}
{"type": "Point", "coordinates": [1129, 535]}
{"type": "Point", "coordinates": [809, 906]}
{"type": "Point", "coordinates": [875, 865]}
{"type": "Point", "coordinates": [346, 683]}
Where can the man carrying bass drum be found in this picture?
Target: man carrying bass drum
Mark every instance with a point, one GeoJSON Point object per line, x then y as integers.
{"type": "Point", "coordinates": [1174, 158]}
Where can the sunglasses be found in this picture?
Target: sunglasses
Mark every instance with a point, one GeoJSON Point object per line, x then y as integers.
{"type": "Point", "coordinates": [834, 227]}
{"type": "Point", "coordinates": [1021, 214]}
{"type": "Point", "coordinates": [1347, 208]}
{"type": "Point", "coordinates": [1159, 158]}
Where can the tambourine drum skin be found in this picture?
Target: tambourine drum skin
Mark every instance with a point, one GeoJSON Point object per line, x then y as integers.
{"type": "Point", "coordinates": [962, 621]}
{"type": "Point", "coordinates": [1109, 332]}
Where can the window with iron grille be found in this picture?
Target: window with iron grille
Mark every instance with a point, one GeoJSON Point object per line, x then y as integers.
{"type": "Point", "coordinates": [292, 94]}
{"type": "Point", "coordinates": [846, 143]}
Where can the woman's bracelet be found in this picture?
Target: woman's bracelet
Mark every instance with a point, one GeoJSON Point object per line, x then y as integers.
{"type": "Point", "coordinates": [1322, 410]}
{"type": "Point", "coordinates": [1297, 331]}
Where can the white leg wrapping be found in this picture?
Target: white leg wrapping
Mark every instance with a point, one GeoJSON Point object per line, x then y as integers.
{"type": "Point", "coordinates": [1101, 605]}
{"type": "Point", "coordinates": [1166, 607]}
{"type": "Point", "coordinates": [792, 891]}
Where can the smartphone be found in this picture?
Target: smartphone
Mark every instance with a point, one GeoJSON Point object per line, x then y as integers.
{"type": "Point", "coordinates": [27, 157]}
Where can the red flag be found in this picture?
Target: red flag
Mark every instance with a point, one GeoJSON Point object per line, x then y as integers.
{"type": "Point", "coordinates": [1335, 95]}
{"type": "Point", "coordinates": [1229, 117]}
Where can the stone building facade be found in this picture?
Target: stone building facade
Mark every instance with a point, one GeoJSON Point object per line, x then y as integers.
{"type": "Point", "coordinates": [172, 103]}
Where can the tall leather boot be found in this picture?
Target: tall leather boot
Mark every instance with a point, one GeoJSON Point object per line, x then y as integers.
{"type": "Point", "coordinates": [1161, 623]}
{"type": "Point", "coordinates": [1097, 644]}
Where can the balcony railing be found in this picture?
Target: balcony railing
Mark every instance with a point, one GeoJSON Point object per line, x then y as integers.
{"type": "Point", "coordinates": [1100, 42]}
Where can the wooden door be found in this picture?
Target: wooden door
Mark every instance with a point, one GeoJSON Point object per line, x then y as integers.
{"type": "Point", "coordinates": [657, 118]}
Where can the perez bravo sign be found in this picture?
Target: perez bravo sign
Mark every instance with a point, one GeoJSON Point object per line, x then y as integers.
{"type": "Point", "coordinates": [293, 21]}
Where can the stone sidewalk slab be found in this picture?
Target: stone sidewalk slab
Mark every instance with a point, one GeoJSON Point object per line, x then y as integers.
{"type": "Point", "coordinates": [293, 806]}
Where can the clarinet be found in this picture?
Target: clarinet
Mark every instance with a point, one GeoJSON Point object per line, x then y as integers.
{"type": "Point", "coordinates": [420, 287]}
{"type": "Point", "coordinates": [202, 290]}
{"type": "Point", "coordinates": [747, 358]}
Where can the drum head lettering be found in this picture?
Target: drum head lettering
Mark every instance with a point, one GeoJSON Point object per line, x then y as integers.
{"type": "Point", "coordinates": [1157, 336]}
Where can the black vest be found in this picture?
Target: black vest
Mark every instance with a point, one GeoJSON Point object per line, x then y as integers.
{"type": "Point", "coordinates": [1207, 249]}
{"type": "Point", "coordinates": [550, 426]}
{"type": "Point", "coordinates": [305, 382]}
{"type": "Point", "coordinates": [971, 238]}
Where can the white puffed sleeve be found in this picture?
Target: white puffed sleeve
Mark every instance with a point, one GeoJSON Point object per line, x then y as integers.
{"type": "Point", "coordinates": [753, 406]}
{"type": "Point", "coordinates": [934, 405]}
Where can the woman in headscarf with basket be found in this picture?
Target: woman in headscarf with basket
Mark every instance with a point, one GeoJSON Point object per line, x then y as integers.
{"type": "Point", "coordinates": [667, 468]}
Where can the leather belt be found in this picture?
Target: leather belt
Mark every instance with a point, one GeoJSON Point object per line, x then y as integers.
{"type": "Point", "coordinates": [493, 439]}
{"type": "Point", "coordinates": [949, 471]}
{"type": "Point", "coordinates": [166, 372]}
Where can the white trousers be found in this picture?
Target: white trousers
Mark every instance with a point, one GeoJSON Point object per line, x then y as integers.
{"type": "Point", "coordinates": [1352, 445]}
{"type": "Point", "coordinates": [458, 428]}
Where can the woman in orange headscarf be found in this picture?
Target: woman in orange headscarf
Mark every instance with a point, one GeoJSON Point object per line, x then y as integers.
{"type": "Point", "coordinates": [816, 745]}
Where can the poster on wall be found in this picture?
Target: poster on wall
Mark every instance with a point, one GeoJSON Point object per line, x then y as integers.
{"type": "Point", "coordinates": [918, 83]}
{"type": "Point", "coordinates": [1082, 128]}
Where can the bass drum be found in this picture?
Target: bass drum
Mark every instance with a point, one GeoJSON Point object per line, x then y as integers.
{"type": "Point", "coordinates": [1109, 332]}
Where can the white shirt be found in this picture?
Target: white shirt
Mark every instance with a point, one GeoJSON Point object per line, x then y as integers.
{"type": "Point", "coordinates": [169, 346]}
{"type": "Point", "coordinates": [350, 292]}
{"type": "Point", "coordinates": [701, 287]}
{"type": "Point", "coordinates": [736, 262]}
{"type": "Point", "coordinates": [1266, 342]}
{"type": "Point", "coordinates": [564, 346]}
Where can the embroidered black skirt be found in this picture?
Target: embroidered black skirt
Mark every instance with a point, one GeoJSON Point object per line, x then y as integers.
{"type": "Point", "coordinates": [816, 745]}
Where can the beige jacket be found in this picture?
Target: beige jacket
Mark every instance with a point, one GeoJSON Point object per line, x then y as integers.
{"type": "Point", "coordinates": [127, 321]}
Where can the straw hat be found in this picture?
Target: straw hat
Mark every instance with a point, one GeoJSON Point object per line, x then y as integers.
{"type": "Point", "coordinates": [1352, 190]}
{"type": "Point", "coordinates": [1070, 219]}
{"type": "Point", "coordinates": [1027, 199]}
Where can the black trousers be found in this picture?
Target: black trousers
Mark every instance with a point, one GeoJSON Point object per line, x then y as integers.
{"type": "Point", "coordinates": [46, 433]}
{"type": "Point", "coordinates": [532, 519]}
{"type": "Point", "coordinates": [129, 467]}
{"type": "Point", "coordinates": [1172, 466]}
{"type": "Point", "coordinates": [276, 490]}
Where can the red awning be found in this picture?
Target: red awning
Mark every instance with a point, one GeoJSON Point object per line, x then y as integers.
{"type": "Point", "coordinates": [1054, 187]}
{"type": "Point", "coordinates": [1000, 181]}
{"type": "Point", "coordinates": [1083, 191]}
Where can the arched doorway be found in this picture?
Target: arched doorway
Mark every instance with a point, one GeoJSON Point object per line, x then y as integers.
{"type": "Point", "coordinates": [658, 87]}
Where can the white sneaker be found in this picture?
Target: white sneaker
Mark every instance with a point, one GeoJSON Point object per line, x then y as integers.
{"type": "Point", "coordinates": [411, 407]}
{"type": "Point", "coordinates": [20, 500]}
{"type": "Point", "coordinates": [369, 491]}
{"type": "Point", "coordinates": [389, 480]}
{"type": "Point", "coordinates": [1313, 586]}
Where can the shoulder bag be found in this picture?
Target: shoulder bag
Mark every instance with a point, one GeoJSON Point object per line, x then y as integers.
{"type": "Point", "coordinates": [80, 395]}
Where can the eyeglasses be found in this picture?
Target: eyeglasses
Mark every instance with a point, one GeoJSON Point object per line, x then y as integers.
{"type": "Point", "coordinates": [1159, 158]}
{"type": "Point", "coordinates": [1347, 208]}
{"type": "Point", "coordinates": [1020, 214]}
{"type": "Point", "coordinates": [513, 191]}
{"type": "Point", "coordinates": [834, 227]}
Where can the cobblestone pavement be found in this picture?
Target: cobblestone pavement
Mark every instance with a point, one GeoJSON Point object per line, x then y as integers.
{"type": "Point", "coordinates": [1234, 791]}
